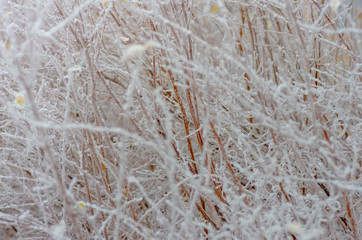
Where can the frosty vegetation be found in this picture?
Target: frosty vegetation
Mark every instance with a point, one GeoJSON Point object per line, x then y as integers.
{"type": "Point", "coordinates": [170, 119]}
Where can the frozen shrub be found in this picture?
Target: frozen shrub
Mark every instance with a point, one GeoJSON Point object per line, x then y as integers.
{"type": "Point", "coordinates": [156, 119]}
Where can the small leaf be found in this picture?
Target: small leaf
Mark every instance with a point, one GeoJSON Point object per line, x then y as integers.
{"type": "Point", "coordinates": [81, 205]}
{"type": "Point", "coordinates": [214, 8]}
{"type": "Point", "coordinates": [19, 99]}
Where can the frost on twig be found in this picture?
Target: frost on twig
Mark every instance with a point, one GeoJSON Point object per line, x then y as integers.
{"type": "Point", "coordinates": [180, 119]}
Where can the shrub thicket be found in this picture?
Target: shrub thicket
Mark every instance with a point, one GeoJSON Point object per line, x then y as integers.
{"type": "Point", "coordinates": [190, 119]}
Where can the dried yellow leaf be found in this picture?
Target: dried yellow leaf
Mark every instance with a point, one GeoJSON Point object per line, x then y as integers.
{"type": "Point", "coordinates": [214, 8]}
